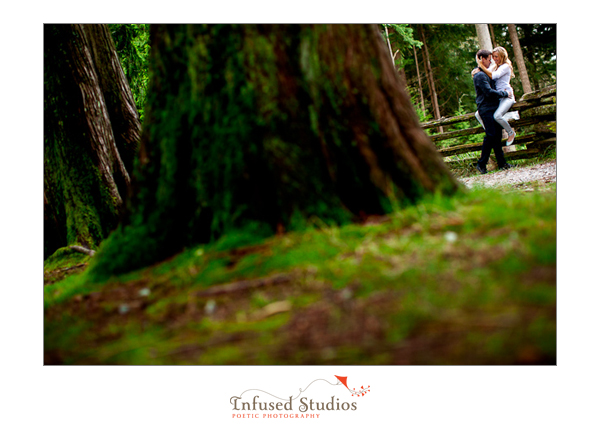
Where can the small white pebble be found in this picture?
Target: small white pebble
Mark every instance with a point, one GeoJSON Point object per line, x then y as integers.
{"type": "Point", "coordinates": [144, 292]}
{"type": "Point", "coordinates": [450, 236]}
{"type": "Point", "coordinates": [346, 293]}
{"type": "Point", "coordinates": [210, 307]}
{"type": "Point", "coordinates": [123, 308]}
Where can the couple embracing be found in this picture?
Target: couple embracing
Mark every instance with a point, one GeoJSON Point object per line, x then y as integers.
{"type": "Point", "coordinates": [495, 97]}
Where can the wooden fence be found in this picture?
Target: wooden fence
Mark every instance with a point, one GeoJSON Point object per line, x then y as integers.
{"type": "Point", "coordinates": [536, 128]}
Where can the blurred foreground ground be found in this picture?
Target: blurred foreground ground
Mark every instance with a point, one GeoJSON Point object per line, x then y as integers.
{"type": "Point", "coordinates": [467, 280]}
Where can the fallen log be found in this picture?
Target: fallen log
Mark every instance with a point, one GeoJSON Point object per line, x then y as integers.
{"type": "Point", "coordinates": [542, 144]}
{"type": "Point", "coordinates": [467, 148]}
{"type": "Point", "coordinates": [545, 96]}
{"type": "Point", "coordinates": [448, 121]}
{"type": "Point", "coordinates": [541, 93]}
{"type": "Point", "coordinates": [539, 111]}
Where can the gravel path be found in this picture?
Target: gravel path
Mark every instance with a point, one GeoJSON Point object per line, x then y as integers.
{"type": "Point", "coordinates": [543, 173]}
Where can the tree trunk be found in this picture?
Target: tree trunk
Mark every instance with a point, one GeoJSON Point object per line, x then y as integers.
{"type": "Point", "coordinates": [419, 80]}
{"type": "Point", "coordinates": [401, 71]}
{"type": "Point", "coordinates": [483, 36]}
{"type": "Point", "coordinates": [264, 127]}
{"type": "Point", "coordinates": [84, 176]}
{"type": "Point", "coordinates": [124, 117]}
{"type": "Point", "coordinates": [514, 39]}
{"type": "Point", "coordinates": [402, 75]}
{"type": "Point", "coordinates": [387, 39]}
{"type": "Point", "coordinates": [430, 80]}
{"type": "Point", "coordinates": [492, 35]}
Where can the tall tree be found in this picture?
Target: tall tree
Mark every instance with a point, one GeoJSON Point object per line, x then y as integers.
{"type": "Point", "coordinates": [387, 38]}
{"type": "Point", "coordinates": [268, 126]}
{"type": "Point", "coordinates": [91, 132]}
{"type": "Point", "coordinates": [538, 43]}
{"type": "Point", "coordinates": [421, 97]}
{"type": "Point", "coordinates": [400, 42]}
{"type": "Point", "coordinates": [492, 35]}
{"type": "Point", "coordinates": [449, 66]}
{"type": "Point", "coordinates": [430, 79]}
{"type": "Point", "coordinates": [401, 73]}
{"type": "Point", "coordinates": [483, 35]}
{"type": "Point", "coordinates": [514, 38]}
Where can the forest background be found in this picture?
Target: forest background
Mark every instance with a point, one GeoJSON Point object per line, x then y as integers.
{"type": "Point", "coordinates": [434, 61]}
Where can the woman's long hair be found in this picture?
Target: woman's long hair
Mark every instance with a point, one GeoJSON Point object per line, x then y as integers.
{"type": "Point", "coordinates": [503, 59]}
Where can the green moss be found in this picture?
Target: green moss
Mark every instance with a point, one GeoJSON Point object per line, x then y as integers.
{"type": "Point", "coordinates": [64, 290]}
{"type": "Point", "coordinates": [484, 296]}
{"type": "Point", "coordinates": [77, 200]}
{"type": "Point", "coordinates": [64, 258]}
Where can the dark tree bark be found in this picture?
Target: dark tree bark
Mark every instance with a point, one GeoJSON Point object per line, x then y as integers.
{"type": "Point", "coordinates": [86, 128]}
{"type": "Point", "coordinates": [268, 125]}
{"type": "Point", "coordinates": [124, 117]}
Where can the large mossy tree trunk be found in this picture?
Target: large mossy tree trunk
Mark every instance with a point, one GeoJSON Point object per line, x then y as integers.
{"type": "Point", "coordinates": [268, 125]}
{"type": "Point", "coordinates": [91, 134]}
{"type": "Point", "coordinates": [123, 113]}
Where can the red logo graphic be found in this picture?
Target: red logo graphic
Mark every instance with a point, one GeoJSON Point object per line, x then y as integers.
{"type": "Point", "coordinates": [353, 391]}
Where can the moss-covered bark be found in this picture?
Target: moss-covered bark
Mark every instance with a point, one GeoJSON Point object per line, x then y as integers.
{"type": "Point", "coordinates": [121, 108]}
{"type": "Point", "coordinates": [85, 179]}
{"type": "Point", "coordinates": [269, 124]}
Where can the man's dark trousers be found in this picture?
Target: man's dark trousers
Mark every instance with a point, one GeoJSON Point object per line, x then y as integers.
{"type": "Point", "coordinates": [491, 141]}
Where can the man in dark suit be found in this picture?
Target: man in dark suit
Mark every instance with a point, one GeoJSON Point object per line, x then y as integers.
{"type": "Point", "coordinates": [487, 101]}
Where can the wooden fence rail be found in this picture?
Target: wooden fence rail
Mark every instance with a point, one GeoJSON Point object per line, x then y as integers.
{"type": "Point", "coordinates": [536, 108]}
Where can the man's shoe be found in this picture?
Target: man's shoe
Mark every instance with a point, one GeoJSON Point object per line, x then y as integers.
{"type": "Point", "coordinates": [481, 170]}
{"type": "Point", "coordinates": [507, 166]}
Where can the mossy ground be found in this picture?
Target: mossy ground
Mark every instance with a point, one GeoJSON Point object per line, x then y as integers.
{"type": "Point", "coordinates": [463, 280]}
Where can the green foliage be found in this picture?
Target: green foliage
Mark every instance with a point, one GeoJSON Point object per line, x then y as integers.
{"type": "Point", "coordinates": [424, 115]}
{"type": "Point", "coordinates": [468, 139]}
{"type": "Point", "coordinates": [402, 41]}
{"type": "Point", "coordinates": [252, 233]}
{"type": "Point", "coordinates": [132, 42]}
{"type": "Point", "coordinates": [451, 49]}
{"type": "Point", "coordinates": [538, 44]}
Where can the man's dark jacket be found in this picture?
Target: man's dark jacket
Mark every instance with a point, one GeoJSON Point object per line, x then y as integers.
{"type": "Point", "coordinates": [488, 97]}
